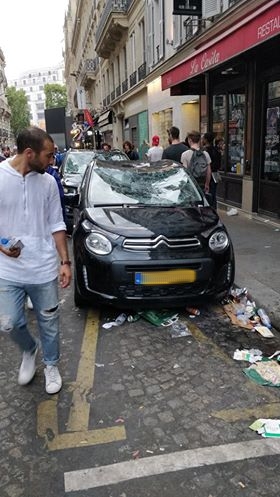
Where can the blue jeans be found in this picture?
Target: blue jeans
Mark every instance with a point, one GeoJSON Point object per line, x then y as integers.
{"type": "Point", "coordinates": [44, 297]}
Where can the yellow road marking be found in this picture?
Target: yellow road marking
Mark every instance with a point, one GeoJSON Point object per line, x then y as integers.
{"type": "Point", "coordinates": [77, 427]}
{"type": "Point", "coordinates": [262, 411]}
{"type": "Point", "coordinates": [79, 412]}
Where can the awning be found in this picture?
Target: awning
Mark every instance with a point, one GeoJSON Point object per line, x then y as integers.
{"type": "Point", "coordinates": [105, 118]}
{"type": "Point", "coordinates": [261, 25]}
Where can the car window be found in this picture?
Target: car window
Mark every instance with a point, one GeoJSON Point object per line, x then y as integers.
{"type": "Point", "coordinates": [77, 162]}
{"type": "Point", "coordinates": [145, 185]}
{"type": "Point", "coordinates": [112, 155]}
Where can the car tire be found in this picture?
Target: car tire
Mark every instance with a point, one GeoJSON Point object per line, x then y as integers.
{"type": "Point", "coordinates": [78, 299]}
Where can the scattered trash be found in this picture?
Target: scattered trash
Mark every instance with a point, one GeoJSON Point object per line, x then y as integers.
{"type": "Point", "coordinates": [267, 428]}
{"type": "Point", "coordinates": [232, 212]}
{"type": "Point", "coordinates": [241, 484]}
{"type": "Point", "coordinates": [264, 331]}
{"type": "Point", "coordinates": [119, 420]}
{"type": "Point", "coordinates": [265, 372]}
{"type": "Point", "coordinates": [264, 317]}
{"type": "Point", "coordinates": [149, 451]}
{"type": "Point", "coordinates": [252, 355]}
{"type": "Point", "coordinates": [158, 318]}
{"type": "Point", "coordinates": [178, 330]}
{"type": "Point", "coordinates": [243, 312]}
{"type": "Point", "coordinates": [136, 454]}
{"type": "Point", "coordinates": [118, 321]}
{"type": "Point", "coordinates": [176, 366]}
{"type": "Point", "coordinates": [193, 311]}
{"type": "Point", "coordinates": [162, 449]}
{"type": "Point", "coordinates": [99, 365]}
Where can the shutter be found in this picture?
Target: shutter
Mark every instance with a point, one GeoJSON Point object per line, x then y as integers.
{"type": "Point", "coordinates": [225, 5]}
{"type": "Point", "coordinates": [161, 30]}
{"type": "Point", "coordinates": [149, 24]}
{"type": "Point", "coordinates": [210, 8]}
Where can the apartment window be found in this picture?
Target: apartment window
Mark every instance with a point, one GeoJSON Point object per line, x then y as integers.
{"type": "Point", "coordinates": [155, 31]}
{"type": "Point", "coordinates": [143, 39]}
{"type": "Point", "coordinates": [133, 52]}
{"type": "Point", "coordinates": [40, 115]}
{"type": "Point", "coordinates": [54, 78]}
{"type": "Point", "coordinates": [34, 81]}
{"type": "Point", "coordinates": [118, 70]}
{"type": "Point", "coordinates": [125, 62]}
{"type": "Point", "coordinates": [24, 81]}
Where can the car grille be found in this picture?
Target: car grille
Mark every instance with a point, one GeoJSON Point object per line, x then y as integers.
{"type": "Point", "coordinates": [154, 243]}
{"type": "Point", "coordinates": [134, 291]}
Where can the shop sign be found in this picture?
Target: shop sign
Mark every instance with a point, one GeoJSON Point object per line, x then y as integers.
{"type": "Point", "coordinates": [187, 7]}
{"type": "Point", "coordinates": [235, 41]}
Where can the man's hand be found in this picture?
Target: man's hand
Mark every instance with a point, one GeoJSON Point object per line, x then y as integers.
{"type": "Point", "coordinates": [65, 276]}
{"type": "Point", "coordinates": [11, 252]}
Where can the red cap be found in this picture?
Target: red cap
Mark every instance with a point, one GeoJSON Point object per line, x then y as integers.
{"type": "Point", "coordinates": [155, 140]}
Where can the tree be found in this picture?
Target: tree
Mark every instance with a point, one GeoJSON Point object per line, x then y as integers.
{"type": "Point", "coordinates": [56, 95]}
{"type": "Point", "coordinates": [20, 112]}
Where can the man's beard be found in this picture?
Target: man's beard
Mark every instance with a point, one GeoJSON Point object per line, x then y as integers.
{"type": "Point", "coordinates": [36, 167]}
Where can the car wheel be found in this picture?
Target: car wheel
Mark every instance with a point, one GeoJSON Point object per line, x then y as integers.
{"type": "Point", "coordinates": [78, 299]}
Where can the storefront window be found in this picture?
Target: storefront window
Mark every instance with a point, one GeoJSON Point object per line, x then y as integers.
{"type": "Point", "coordinates": [219, 120]}
{"type": "Point", "coordinates": [236, 131]}
{"type": "Point", "coordinates": [271, 166]}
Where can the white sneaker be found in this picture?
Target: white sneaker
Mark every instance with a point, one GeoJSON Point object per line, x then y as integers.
{"type": "Point", "coordinates": [27, 368]}
{"type": "Point", "coordinates": [53, 379]}
{"type": "Point", "coordinates": [29, 303]}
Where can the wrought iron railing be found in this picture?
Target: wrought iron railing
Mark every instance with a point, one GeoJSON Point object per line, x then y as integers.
{"type": "Point", "coordinates": [142, 71]}
{"type": "Point", "coordinates": [124, 86]}
{"type": "Point", "coordinates": [118, 91]}
{"type": "Point", "coordinates": [133, 79]}
{"type": "Point", "coordinates": [111, 6]}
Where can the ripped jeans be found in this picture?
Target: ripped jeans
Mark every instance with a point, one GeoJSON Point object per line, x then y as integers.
{"type": "Point", "coordinates": [44, 297]}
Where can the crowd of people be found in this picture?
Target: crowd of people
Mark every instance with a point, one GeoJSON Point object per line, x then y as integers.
{"type": "Point", "coordinates": [204, 150]}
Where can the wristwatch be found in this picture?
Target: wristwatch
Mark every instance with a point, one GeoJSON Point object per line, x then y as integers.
{"type": "Point", "coordinates": [67, 263]}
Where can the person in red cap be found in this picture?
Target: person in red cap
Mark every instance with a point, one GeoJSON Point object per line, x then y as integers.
{"type": "Point", "coordinates": [155, 151]}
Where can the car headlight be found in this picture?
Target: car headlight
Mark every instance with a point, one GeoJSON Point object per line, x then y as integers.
{"type": "Point", "coordinates": [219, 241]}
{"type": "Point", "coordinates": [98, 244]}
{"type": "Point", "coordinates": [69, 189]}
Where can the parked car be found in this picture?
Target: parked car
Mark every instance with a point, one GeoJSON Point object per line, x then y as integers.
{"type": "Point", "coordinates": [72, 170]}
{"type": "Point", "coordinates": [146, 236]}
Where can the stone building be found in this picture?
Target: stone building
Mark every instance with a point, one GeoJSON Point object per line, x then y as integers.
{"type": "Point", "coordinates": [141, 66]}
{"type": "Point", "coordinates": [5, 114]}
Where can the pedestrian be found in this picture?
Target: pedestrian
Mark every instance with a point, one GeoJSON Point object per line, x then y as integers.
{"type": "Point", "coordinates": [176, 148]}
{"type": "Point", "coordinates": [6, 151]}
{"type": "Point", "coordinates": [106, 147]}
{"type": "Point", "coordinates": [31, 211]}
{"type": "Point", "coordinates": [53, 172]}
{"type": "Point", "coordinates": [197, 161]}
{"type": "Point", "coordinates": [155, 151]}
{"type": "Point", "coordinates": [58, 157]}
{"type": "Point", "coordinates": [215, 156]}
{"type": "Point", "coordinates": [130, 151]}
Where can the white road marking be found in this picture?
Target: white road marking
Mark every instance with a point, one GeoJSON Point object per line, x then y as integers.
{"type": "Point", "coordinates": [161, 464]}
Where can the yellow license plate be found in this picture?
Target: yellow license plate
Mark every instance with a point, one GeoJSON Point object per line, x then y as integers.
{"type": "Point", "coordinates": [170, 277]}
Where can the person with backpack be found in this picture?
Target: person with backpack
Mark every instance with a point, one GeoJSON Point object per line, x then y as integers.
{"type": "Point", "coordinates": [197, 161]}
{"type": "Point", "coordinates": [216, 158]}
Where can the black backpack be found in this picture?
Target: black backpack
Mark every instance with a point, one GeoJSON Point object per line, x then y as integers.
{"type": "Point", "coordinates": [198, 164]}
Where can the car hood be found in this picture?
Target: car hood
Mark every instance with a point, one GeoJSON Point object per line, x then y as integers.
{"type": "Point", "coordinates": [72, 179]}
{"type": "Point", "coordinates": [153, 221]}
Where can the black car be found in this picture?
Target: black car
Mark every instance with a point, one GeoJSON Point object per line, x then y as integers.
{"type": "Point", "coordinates": [72, 170]}
{"type": "Point", "coordinates": [146, 236]}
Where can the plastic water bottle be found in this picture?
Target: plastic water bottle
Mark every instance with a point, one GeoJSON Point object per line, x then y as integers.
{"type": "Point", "coordinates": [5, 242]}
{"type": "Point", "coordinates": [264, 318]}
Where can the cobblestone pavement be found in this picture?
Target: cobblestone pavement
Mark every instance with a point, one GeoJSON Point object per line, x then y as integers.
{"type": "Point", "coordinates": [169, 394]}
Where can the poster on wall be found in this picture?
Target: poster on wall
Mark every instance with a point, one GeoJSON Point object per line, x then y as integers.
{"type": "Point", "coordinates": [272, 146]}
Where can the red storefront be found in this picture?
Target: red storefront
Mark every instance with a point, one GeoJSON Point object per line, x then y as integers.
{"type": "Point", "coordinates": [237, 74]}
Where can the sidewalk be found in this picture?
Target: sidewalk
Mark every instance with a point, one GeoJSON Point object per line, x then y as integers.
{"type": "Point", "coordinates": [256, 242]}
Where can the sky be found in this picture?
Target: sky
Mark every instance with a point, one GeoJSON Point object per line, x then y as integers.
{"type": "Point", "coordinates": [31, 34]}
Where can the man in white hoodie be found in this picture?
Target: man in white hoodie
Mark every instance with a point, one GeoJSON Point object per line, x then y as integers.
{"type": "Point", "coordinates": [31, 212]}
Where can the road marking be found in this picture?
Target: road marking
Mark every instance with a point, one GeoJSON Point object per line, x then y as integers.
{"type": "Point", "coordinates": [75, 481]}
{"type": "Point", "coordinates": [78, 434]}
{"type": "Point", "coordinates": [262, 411]}
{"type": "Point", "coordinates": [79, 412]}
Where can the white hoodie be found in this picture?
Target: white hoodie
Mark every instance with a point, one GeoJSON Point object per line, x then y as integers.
{"type": "Point", "coordinates": [30, 210]}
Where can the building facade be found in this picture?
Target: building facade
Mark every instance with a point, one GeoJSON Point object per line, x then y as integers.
{"type": "Point", "coordinates": [5, 114]}
{"type": "Point", "coordinates": [142, 66]}
{"type": "Point", "coordinates": [33, 82]}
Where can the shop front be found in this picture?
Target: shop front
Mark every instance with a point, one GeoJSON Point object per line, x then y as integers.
{"type": "Point", "coordinates": [237, 74]}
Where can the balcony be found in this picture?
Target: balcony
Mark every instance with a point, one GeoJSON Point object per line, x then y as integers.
{"type": "Point", "coordinates": [113, 95]}
{"type": "Point", "coordinates": [89, 71]}
{"type": "Point", "coordinates": [142, 71]}
{"type": "Point", "coordinates": [133, 79]}
{"type": "Point", "coordinates": [118, 91]}
{"type": "Point", "coordinates": [112, 26]}
{"type": "Point", "coordinates": [124, 86]}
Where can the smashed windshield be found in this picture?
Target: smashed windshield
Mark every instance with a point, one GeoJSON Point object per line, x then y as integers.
{"type": "Point", "coordinates": [114, 185]}
{"type": "Point", "coordinates": [77, 162]}
{"type": "Point", "coordinates": [114, 155]}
